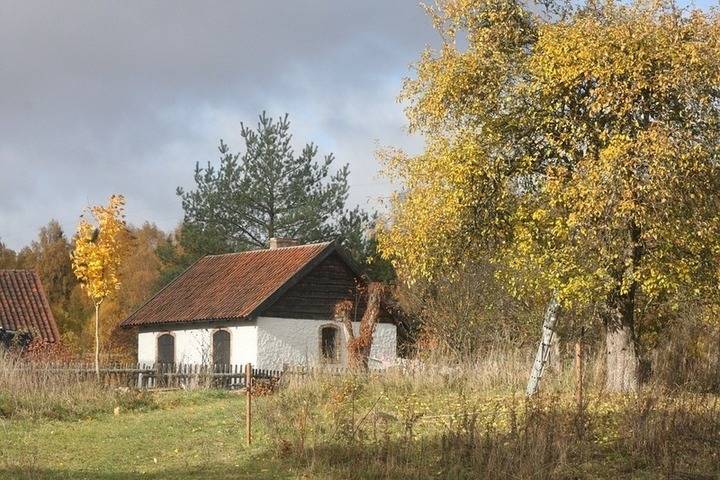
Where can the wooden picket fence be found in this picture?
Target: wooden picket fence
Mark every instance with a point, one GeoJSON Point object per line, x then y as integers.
{"type": "Point", "coordinates": [151, 376]}
{"type": "Point", "coordinates": [169, 376]}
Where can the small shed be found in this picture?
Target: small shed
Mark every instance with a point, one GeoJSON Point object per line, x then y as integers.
{"type": "Point", "coordinates": [269, 307]}
{"type": "Point", "coordinates": [24, 309]}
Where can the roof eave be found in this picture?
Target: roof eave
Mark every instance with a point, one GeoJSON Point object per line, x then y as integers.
{"type": "Point", "coordinates": [189, 322]}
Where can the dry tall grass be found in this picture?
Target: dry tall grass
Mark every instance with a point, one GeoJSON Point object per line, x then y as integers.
{"type": "Point", "coordinates": [471, 420]}
{"type": "Point", "coordinates": [34, 390]}
{"type": "Point", "coordinates": [449, 418]}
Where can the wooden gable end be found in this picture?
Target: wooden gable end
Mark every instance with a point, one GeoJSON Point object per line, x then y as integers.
{"type": "Point", "coordinates": [316, 294]}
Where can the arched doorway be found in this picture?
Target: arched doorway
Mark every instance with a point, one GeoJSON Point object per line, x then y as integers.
{"type": "Point", "coordinates": [166, 349]}
{"type": "Point", "coordinates": [221, 347]}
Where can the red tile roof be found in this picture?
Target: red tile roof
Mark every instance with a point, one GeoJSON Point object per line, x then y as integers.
{"type": "Point", "coordinates": [23, 305]}
{"type": "Point", "coordinates": [230, 286]}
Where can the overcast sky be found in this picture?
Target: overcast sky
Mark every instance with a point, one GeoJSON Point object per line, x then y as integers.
{"type": "Point", "coordinates": [124, 97]}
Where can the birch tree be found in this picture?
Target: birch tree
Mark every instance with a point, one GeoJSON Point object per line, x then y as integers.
{"type": "Point", "coordinates": [98, 254]}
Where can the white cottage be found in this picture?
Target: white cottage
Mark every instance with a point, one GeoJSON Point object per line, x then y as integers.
{"type": "Point", "coordinates": [267, 307]}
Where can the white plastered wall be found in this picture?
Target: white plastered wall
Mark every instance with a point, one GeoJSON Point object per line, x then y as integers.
{"type": "Point", "coordinates": [289, 341]}
{"type": "Point", "coordinates": [194, 345]}
{"type": "Point", "coordinates": [147, 347]}
{"type": "Point", "coordinates": [267, 343]}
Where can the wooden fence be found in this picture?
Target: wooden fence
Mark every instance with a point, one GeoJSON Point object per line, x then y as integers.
{"type": "Point", "coordinates": [169, 376]}
{"type": "Point", "coordinates": [155, 376]}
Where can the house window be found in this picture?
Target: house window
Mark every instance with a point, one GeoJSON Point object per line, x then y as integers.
{"type": "Point", "coordinates": [221, 347]}
{"type": "Point", "coordinates": [329, 350]}
{"type": "Point", "coordinates": [166, 348]}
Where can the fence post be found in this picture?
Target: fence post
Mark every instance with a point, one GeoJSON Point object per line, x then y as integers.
{"type": "Point", "coordinates": [579, 380]}
{"type": "Point", "coordinates": [248, 403]}
{"type": "Point", "coordinates": [579, 370]}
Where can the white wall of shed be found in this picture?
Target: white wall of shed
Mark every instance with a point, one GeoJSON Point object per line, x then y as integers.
{"type": "Point", "coordinates": [147, 347]}
{"type": "Point", "coordinates": [384, 347]}
{"type": "Point", "coordinates": [194, 345]}
{"type": "Point", "coordinates": [243, 344]}
{"type": "Point", "coordinates": [297, 342]}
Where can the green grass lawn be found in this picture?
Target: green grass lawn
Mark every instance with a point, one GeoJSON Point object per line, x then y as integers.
{"type": "Point", "coordinates": [191, 435]}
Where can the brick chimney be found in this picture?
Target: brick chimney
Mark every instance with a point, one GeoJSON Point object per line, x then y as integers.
{"type": "Point", "coordinates": [280, 242]}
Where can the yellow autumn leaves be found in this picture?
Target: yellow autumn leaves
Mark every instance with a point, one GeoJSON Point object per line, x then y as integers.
{"type": "Point", "coordinates": [578, 151]}
{"type": "Point", "coordinates": [99, 248]}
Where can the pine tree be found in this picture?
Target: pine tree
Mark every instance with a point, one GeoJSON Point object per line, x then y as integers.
{"type": "Point", "coordinates": [268, 191]}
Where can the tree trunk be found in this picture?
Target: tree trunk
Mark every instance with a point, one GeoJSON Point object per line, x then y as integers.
{"type": "Point", "coordinates": [555, 354]}
{"type": "Point", "coordinates": [359, 346]}
{"type": "Point", "coordinates": [97, 340]}
{"type": "Point", "coordinates": [369, 321]}
{"type": "Point", "coordinates": [621, 354]}
{"type": "Point", "coordinates": [548, 330]}
{"type": "Point", "coordinates": [621, 343]}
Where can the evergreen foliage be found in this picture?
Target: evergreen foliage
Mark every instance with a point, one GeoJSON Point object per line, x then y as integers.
{"type": "Point", "coordinates": [267, 191]}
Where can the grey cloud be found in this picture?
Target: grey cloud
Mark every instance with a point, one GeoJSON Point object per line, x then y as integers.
{"type": "Point", "coordinates": [104, 97]}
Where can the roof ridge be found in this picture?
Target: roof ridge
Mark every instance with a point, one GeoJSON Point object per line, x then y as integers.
{"type": "Point", "coordinates": [304, 245]}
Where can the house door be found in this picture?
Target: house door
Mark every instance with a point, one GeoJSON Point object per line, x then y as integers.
{"type": "Point", "coordinates": [221, 347]}
{"type": "Point", "coordinates": [166, 349]}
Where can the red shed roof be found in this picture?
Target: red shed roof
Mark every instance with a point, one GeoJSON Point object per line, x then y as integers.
{"type": "Point", "coordinates": [230, 286]}
{"type": "Point", "coordinates": [23, 305]}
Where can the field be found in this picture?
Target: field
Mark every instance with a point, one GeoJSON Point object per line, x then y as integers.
{"type": "Point", "coordinates": [451, 423]}
{"type": "Point", "coordinates": [186, 435]}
